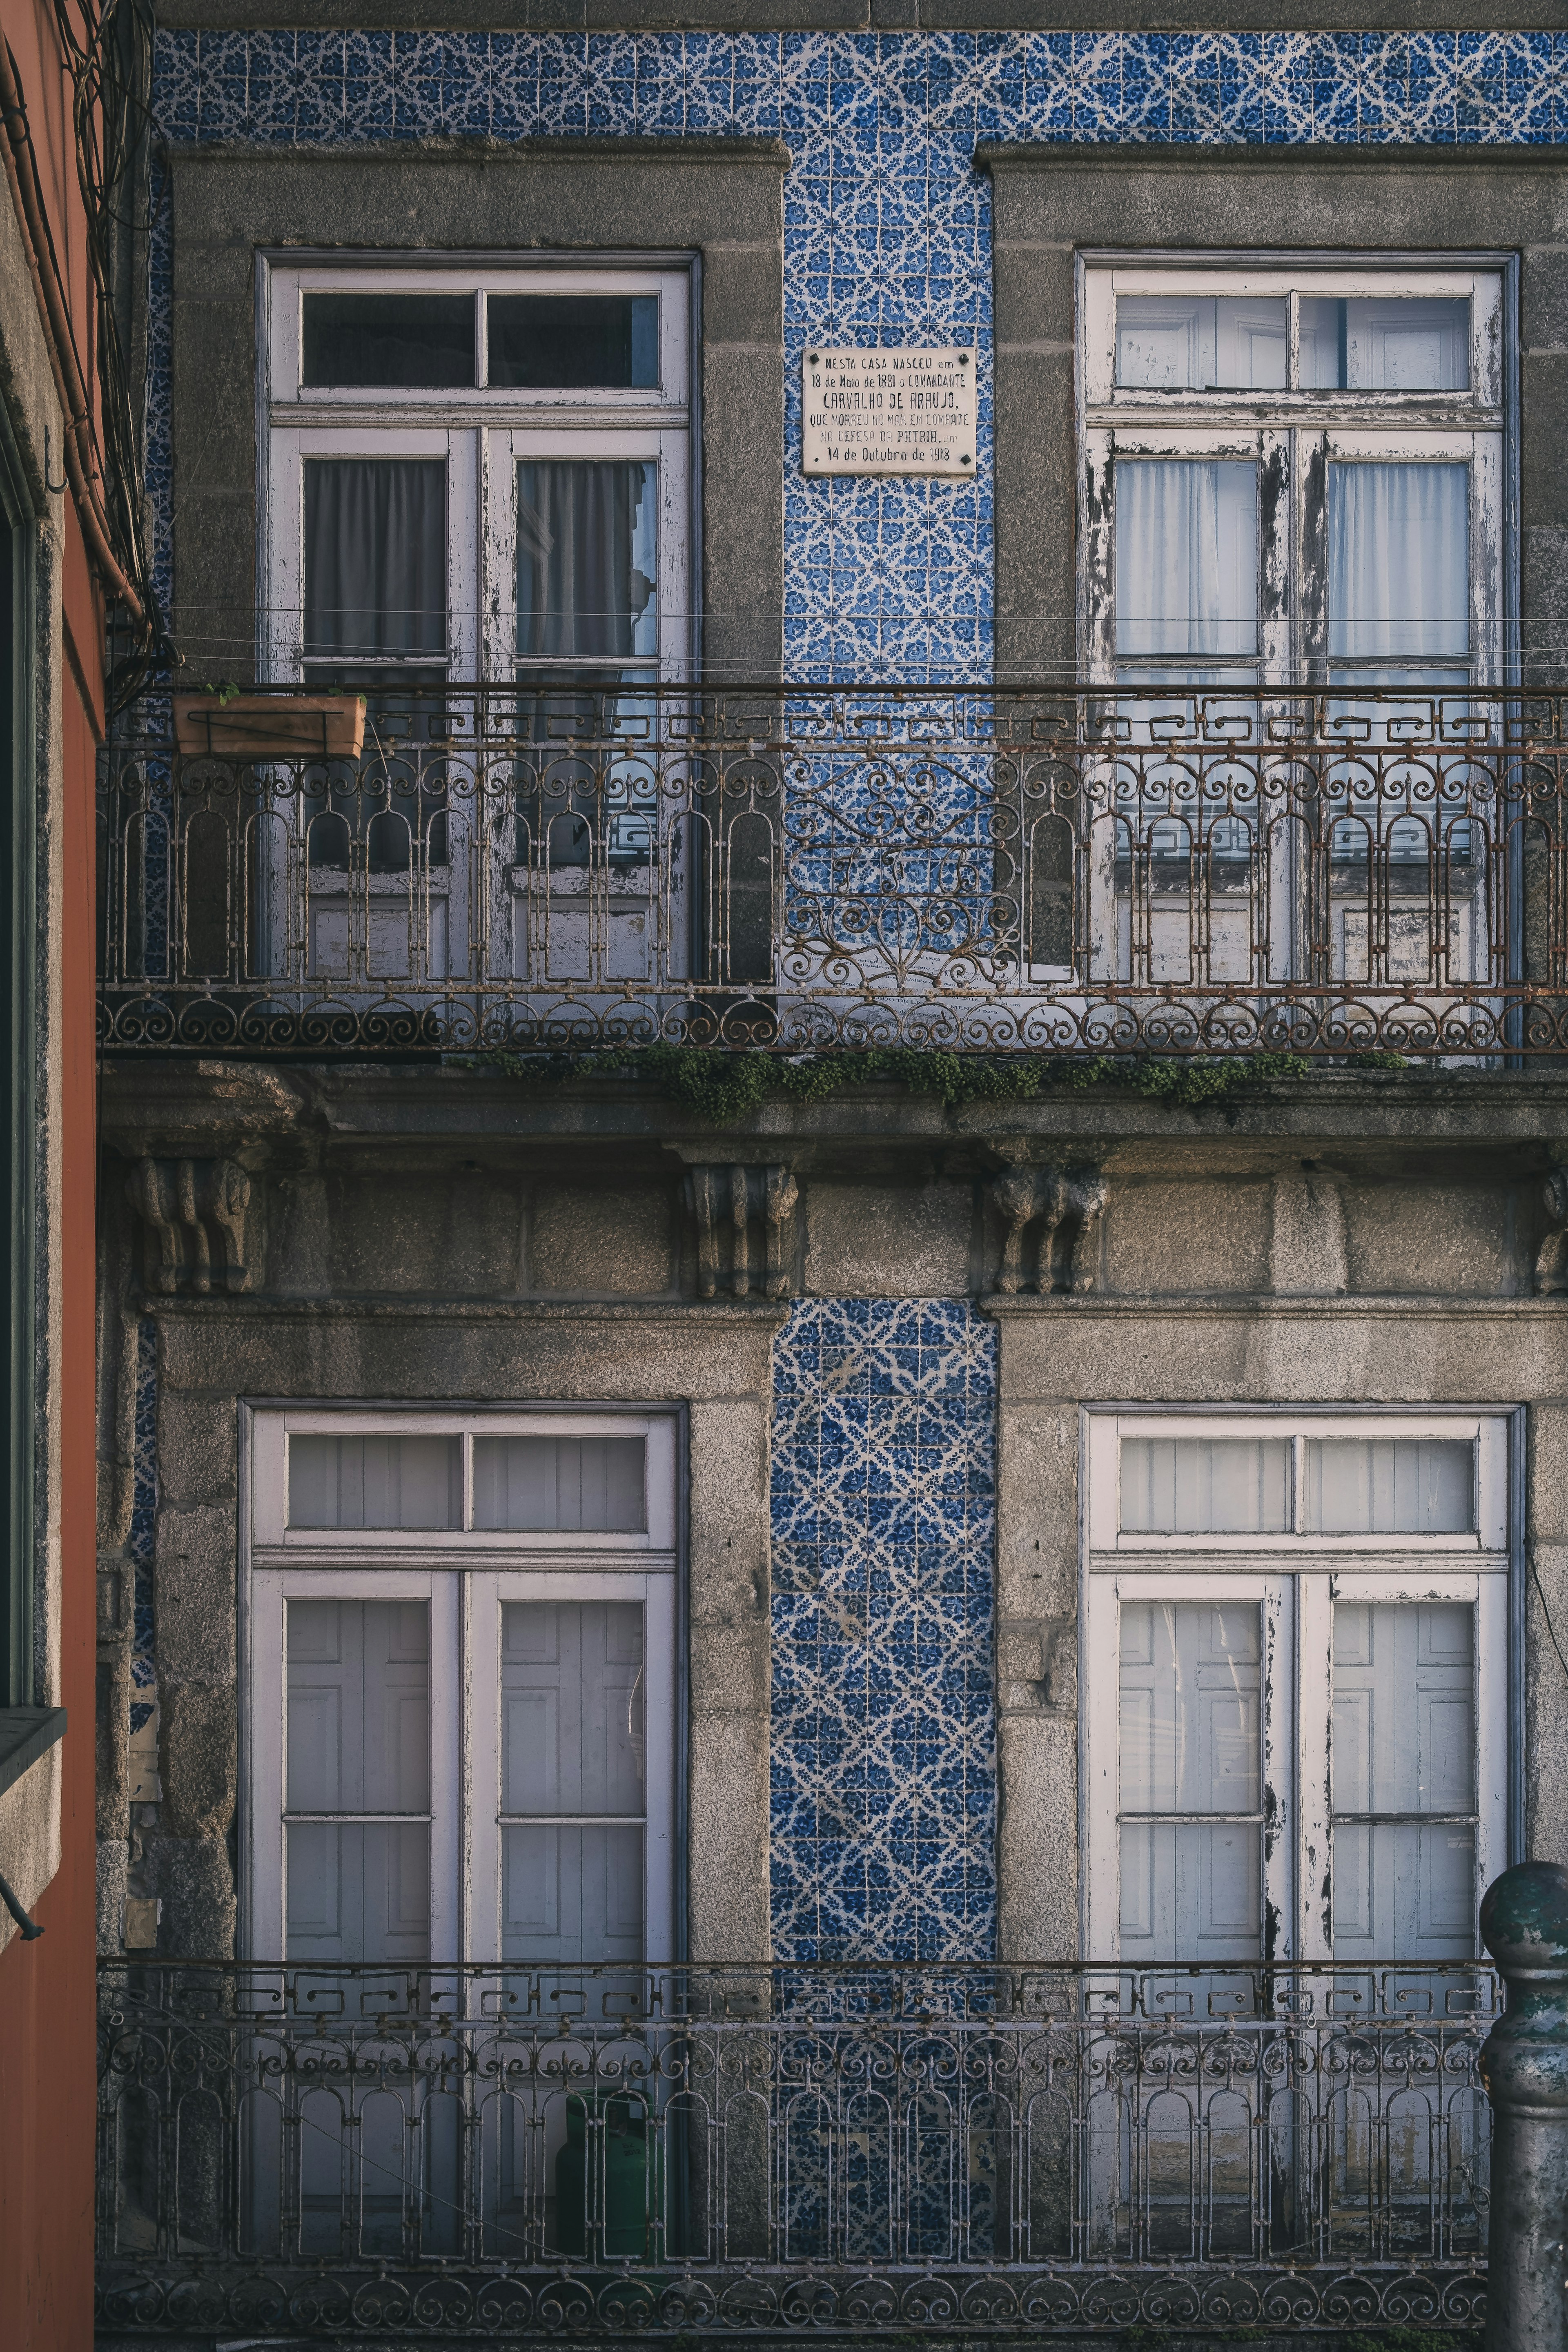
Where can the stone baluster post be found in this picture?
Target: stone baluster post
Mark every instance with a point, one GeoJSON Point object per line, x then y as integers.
{"type": "Point", "coordinates": [1524, 2065]}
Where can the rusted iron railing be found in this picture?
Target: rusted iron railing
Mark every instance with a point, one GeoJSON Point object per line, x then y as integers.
{"type": "Point", "coordinates": [1181, 871]}
{"type": "Point", "coordinates": [833, 2150]}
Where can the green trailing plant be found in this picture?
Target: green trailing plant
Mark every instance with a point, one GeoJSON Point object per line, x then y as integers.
{"type": "Point", "coordinates": [724, 1088]}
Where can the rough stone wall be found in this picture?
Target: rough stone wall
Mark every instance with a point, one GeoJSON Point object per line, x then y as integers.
{"type": "Point", "coordinates": [884, 1499]}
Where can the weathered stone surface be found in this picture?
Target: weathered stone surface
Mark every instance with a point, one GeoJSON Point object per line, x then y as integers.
{"type": "Point", "coordinates": [197, 1756]}
{"type": "Point", "coordinates": [1307, 1254]}
{"type": "Point", "coordinates": [1036, 1838]}
{"type": "Point", "coordinates": [588, 1241]}
{"type": "Point", "coordinates": [192, 1877]}
{"type": "Point", "coordinates": [1451, 1239]}
{"type": "Point", "coordinates": [887, 1242]}
{"type": "Point", "coordinates": [1185, 1237]}
{"type": "Point", "coordinates": [197, 1449]}
{"type": "Point", "coordinates": [195, 1593]}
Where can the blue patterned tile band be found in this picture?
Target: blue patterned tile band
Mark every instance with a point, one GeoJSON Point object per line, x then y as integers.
{"type": "Point", "coordinates": [144, 1522]}
{"type": "Point", "coordinates": [884, 1773]}
{"type": "Point", "coordinates": [886, 224]}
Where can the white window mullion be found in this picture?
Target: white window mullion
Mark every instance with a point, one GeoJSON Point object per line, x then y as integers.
{"type": "Point", "coordinates": [1314, 1655]}
{"type": "Point", "coordinates": [658, 1718]}
{"type": "Point", "coordinates": [447, 1768]}
{"type": "Point", "coordinates": [1278, 1926]}
{"type": "Point", "coordinates": [1103, 1910]}
{"type": "Point", "coordinates": [265, 1755]}
{"type": "Point", "coordinates": [497, 591]}
{"type": "Point", "coordinates": [462, 556]}
{"type": "Point", "coordinates": [1491, 1730]}
{"type": "Point", "coordinates": [1276, 557]}
{"type": "Point", "coordinates": [481, 1838]}
{"type": "Point", "coordinates": [1486, 560]}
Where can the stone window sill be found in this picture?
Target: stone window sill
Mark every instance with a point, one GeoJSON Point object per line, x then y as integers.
{"type": "Point", "coordinates": [25, 1734]}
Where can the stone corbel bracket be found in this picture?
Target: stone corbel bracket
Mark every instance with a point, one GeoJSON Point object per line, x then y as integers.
{"type": "Point", "coordinates": [1552, 1258]}
{"type": "Point", "coordinates": [193, 1215]}
{"type": "Point", "coordinates": [746, 1224]}
{"type": "Point", "coordinates": [1049, 1216]}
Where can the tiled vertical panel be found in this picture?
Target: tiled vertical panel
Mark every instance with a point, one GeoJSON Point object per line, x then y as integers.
{"type": "Point", "coordinates": [884, 1773]}
{"type": "Point", "coordinates": [143, 1514]}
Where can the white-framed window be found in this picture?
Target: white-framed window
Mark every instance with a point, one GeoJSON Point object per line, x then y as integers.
{"type": "Point", "coordinates": [477, 474]}
{"type": "Point", "coordinates": [1295, 1739]}
{"type": "Point", "coordinates": [1293, 469]}
{"type": "Point", "coordinates": [461, 1722]}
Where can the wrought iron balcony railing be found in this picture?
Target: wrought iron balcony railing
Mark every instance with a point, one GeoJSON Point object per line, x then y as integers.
{"type": "Point", "coordinates": [1185, 871]}
{"type": "Point", "coordinates": [842, 2151]}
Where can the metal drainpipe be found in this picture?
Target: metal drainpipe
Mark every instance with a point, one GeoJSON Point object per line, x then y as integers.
{"type": "Point", "coordinates": [1524, 2065]}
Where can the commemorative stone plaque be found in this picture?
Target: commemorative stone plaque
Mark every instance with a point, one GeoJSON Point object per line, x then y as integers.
{"type": "Point", "coordinates": [887, 412]}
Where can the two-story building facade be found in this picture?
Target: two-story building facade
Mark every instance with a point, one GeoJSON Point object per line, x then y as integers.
{"type": "Point", "coordinates": [1034, 557]}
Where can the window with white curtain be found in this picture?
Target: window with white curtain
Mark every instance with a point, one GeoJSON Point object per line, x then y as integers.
{"type": "Point", "coordinates": [1294, 1739]}
{"type": "Point", "coordinates": [477, 474]}
{"type": "Point", "coordinates": [1292, 471]}
{"type": "Point", "coordinates": [461, 1719]}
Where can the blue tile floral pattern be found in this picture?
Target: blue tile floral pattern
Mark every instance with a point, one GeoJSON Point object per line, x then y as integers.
{"type": "Point", "coordinates": [143, 1518]}
{"type": "Point", "coordinates": [884, 1736]}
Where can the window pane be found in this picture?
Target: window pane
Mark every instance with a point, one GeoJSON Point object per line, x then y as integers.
{"type": "Point", "coordinates": [572, 1743]}
{"type": "Point", "coordinates": [1404, 1743]}
{"type": "Point", "coordinates": [1189, 1744]}
{"type": "Point", "coordinates": [1408, 345]}
{"type": "Point", "coordinates": [420, 340]}
{"type": "Point", "coordinates": [572, 1707]}
{"type": "Point", "coordinates": [358, 1891]}
{"type": "Point", "coordinates": [1323, 327]}
{"type": "Point", "coordinates": [375, 556]}
{"type": "Point", "coordinates": [1205, 1486]}
{"type": "Point", "coordinates": [565, 341]}
{"type": "Point", "coordinates": [358, 1743]}
{"type": "Point", "coordinates": [1200, 343]}
{"type": "Point", "coordinates": [571, 1894]}
{"type": "Point", "coordinates": [1390, 1486]}
{"type": "Point", "coordinates": [586, 561]}
{"type": "Point", "coordinates": [592, 1485]}
{"type": "Point", "coordinates": [375, 1482]}
{"type": "Point", "coordinates": [359, 1706]}
{"type": "Point", "coordinates": [1399, 563]}
{"type": "Point", "coordinates": [1186, 557]}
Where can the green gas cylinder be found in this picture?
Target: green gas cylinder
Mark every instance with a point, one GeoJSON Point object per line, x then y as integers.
{"type": "Point", "coordinates": [631, 2177]}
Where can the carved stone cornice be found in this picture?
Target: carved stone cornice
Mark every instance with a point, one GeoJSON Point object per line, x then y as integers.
{"type": "Point", "coordinates": [1552, 1258]}
{"type": "Point", "coordinates": [193, 1215]}
{"type": "Point", "coordinates": [745, 1221]}
{"type": "Point", "coordinates": [1050, 1222]}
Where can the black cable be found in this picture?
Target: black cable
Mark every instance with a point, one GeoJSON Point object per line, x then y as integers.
{"type": "Point", "coordinates": [30, 1928]}
{"type": "Point", "coordinates": [1550, 1629]}
{"type": "Point", "coordinates": [110, 62]}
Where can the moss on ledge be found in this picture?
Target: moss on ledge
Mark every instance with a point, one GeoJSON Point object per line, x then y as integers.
{"type": "Point", "coordinates": [723, 1087]}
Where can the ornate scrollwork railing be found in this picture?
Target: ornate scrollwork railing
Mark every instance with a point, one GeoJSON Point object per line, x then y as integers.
{"type": "Point", "coordinates": [1191, 871]}
{"type": "Point", "coordinates": [847, 2151]}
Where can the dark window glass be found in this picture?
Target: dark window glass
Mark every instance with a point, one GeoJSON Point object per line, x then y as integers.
{"type": "Point", "coordinates": [375, 556]}
{"type": "Point", "coordinates": [420, 340]}
{"type": "Point", "coordinates": [566, 341]}
{"type": "Point", "coordinates": [586, 560]}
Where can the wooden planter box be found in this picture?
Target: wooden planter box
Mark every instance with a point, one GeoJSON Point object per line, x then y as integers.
{"type": "Point", "coordinates": [271, 726]}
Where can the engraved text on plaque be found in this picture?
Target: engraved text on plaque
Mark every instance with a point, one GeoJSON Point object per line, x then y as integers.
{"type": "Point", "coordinates": [887, 412]}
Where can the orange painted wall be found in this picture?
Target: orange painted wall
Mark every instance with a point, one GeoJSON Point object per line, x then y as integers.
{"type": "Point", "coordinates": [47, 1988]}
